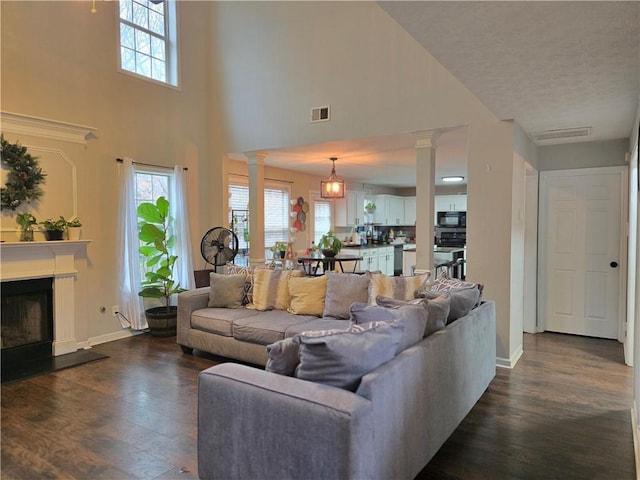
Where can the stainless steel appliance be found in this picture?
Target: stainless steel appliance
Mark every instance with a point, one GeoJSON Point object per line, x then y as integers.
{"type": "Point", "coordinates": [451, 219]}
{"type": "Point", "coordinates": [397, 259]}
{"type": "Point", "coordinates": [451, 237]}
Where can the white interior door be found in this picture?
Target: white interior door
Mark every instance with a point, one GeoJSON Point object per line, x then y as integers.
{"type": "Point", "coordinates": [581, 227]}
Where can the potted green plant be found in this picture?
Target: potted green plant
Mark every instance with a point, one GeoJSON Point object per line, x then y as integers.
{"type": "Point", "coordinates": [54, 229]}
{"type": "Point", "coordinates": [370, 207]}
{"type": "Point", "coordinates": [329, 244]}
{"type": "Point", "coordinates": [73, 229]}
{"type": "Point", "coordinates": [281, 249]}
{"type": "Point", "coordinates": [155, 234]}
{"type": "Point", "coordinates": [26, 222]}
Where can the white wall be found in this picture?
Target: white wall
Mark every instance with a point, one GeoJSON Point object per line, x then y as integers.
{"type": "Point", "coordinates": [59, 62]}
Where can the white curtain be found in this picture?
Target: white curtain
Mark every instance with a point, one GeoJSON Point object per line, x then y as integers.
{"type": "Point", "coordinates": [131, 306]}
{"type": "Point", "coordinates": [183, 269]}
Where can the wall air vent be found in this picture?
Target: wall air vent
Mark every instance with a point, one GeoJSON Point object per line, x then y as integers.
{"type": "Point", "coordinates": [562, 133]}
{"type": "Point", "coordinates": [321, 114]}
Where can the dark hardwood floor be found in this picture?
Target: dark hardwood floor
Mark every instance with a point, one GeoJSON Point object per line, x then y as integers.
{"type": "Point", "coordinates": [562, 413]}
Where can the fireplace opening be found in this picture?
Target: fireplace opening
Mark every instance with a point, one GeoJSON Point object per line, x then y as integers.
{"type": "Point", "coordinates": [26, 322]}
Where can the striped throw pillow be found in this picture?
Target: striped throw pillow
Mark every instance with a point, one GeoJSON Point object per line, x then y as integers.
{"type": "Point", "coordinates": [271, 289]}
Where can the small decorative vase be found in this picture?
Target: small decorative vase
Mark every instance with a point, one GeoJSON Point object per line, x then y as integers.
{"type": "Point", "coordinates": [73, 233]}
{"type": "Point", "coordinates": [26, 235]}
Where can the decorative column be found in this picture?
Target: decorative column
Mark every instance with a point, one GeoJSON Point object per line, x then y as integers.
{"type": "Point", "coordinates": [256, 207]}
{"type": "Point", "coordinates": [425, 192]}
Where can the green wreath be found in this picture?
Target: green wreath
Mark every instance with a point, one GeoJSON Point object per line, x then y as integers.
{"type": "Point", "coordinates": [24, 178]}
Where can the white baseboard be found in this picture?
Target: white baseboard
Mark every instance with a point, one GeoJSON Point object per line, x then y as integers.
{"type": "Point", "coordinates": [636, 439]}
{"type": "Point", "coordinates": [110, 337]}
{"type": "Point", "coordinates": [510, 362]}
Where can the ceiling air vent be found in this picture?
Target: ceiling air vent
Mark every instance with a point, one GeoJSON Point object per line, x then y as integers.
{"type": "Point", "coordinates": [562, 133]}
{"type": "Point", "coordinates": [321, 114]}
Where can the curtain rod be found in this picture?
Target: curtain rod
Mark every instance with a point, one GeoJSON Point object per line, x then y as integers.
{"type": "Point", "coordinates": [119, 160]}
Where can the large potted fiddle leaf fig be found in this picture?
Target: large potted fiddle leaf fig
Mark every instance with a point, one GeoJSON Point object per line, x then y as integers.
{"type": "Point", "coordinates": [156, 235]}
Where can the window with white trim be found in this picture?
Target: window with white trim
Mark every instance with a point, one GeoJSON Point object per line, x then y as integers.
{"type": "Point", "coordinates": [148, 39]}
{"type": "Point", "coordinates": [276, 210]}
{"type": "Point", "coordinates": [151, 185]}
{"type": "Point", "coordinates": [321, 218]}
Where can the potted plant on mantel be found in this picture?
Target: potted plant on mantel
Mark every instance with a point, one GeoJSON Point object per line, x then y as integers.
{"type": "Point", "coordinates": [26, 221]}
{"type": "Point", "coordinates": [329, 244]}
{"type": "Point", "coordinates": [155, 233]}
{"type": "Point", "coordinates": [73, 229]}
{"type": "Point", "coordinates": [54, 229]}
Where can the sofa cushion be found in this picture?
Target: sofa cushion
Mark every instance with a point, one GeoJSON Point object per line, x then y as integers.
{"type": "Point", "coordinates": [226, 291]}
{"type": "Point", "coordinates": [400, 288]}
{"type": "Point", "coordinates": [233, 269]}
{"type": "Point", "coordinates": [271, 289]}
{"type": "Point", "coordinates": [307, 295]}
{"type": "Point", "coordinates": [218, 320]}
{"type": "Point", "coordinates": [437, 308]}
{"type": "Point", "coordinates": [462, 300]}
{"type": "Point", "coordinates": [342, 290]}
{"type": "Point", "coordinates": [340, 358]}
{"type": "Point", "coordinates": [317, 324]}
{"type": "Point", "coordinates": [444, 284]}
{"type": "Point", "coordinates": [413, 319]}
{"type": "Point", "coordinates": [283, 357]}
{"type": "Point", "coordinates": [266, 327]}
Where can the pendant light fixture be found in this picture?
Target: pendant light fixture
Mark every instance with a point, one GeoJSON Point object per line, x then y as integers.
{"type": "Point", "coordinates": [332, 187]}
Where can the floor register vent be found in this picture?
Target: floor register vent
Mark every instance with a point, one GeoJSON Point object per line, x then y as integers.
{"type": "Point", "coordinates": [321, 114]}
{"type": "Point", "coordinates": [562, 133]}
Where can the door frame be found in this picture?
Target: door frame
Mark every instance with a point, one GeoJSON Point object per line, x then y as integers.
{"type": "Point", "coordinates": [621, 170]}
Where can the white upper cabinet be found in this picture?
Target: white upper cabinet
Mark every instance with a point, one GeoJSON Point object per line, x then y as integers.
{"type": "Point", "coordinates": [350, 210]}
{"type": "Point", "coordinates": [410, 210]}
{"type": "Point", "coordinates": [389, 210]}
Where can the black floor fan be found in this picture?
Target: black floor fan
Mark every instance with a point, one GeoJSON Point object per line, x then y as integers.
{"type": "Point", "coordinates": [219, 246]}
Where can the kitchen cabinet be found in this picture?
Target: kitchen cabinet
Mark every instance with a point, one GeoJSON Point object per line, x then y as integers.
{"type": "Point", "coordinates": [385, 260]}
{"type": "Point", "coordinates": [350, 210]}
{"type": "Point", "coordinates": [450, 203]}
{"type": "Point", "coordinates": [410, 211]}
{"type": "Point", "coordinates": [389, 210]}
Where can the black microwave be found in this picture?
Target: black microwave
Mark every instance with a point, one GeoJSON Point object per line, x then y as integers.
{"type": "Point", "coordinates": [452, 219]}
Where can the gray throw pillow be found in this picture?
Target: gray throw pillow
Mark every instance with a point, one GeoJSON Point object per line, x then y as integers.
{"type": "Point", "coordinates": [342, 290]}
{"type": "Point", "coordinates": [413, 318]}
{"type": "Point", "coordinates": [226, 291]}
{"type": "Point", "coordinates": [463, 300]}
{"type": "Point", "coordinates": [341, 358]}
{"type": "Point", "coordinates": [283, 357]}
{"type": "Point", "coordinates": [437, 309]}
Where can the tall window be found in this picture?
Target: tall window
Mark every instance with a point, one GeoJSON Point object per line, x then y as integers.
{"type": "Point", "coordinates": [321, 218]}
{"type": "Point", "coordinates": [148, 39]}
{"type": "Point", "coordinates": [276, 210]}
{"type": "Point", "coordinates": [151, 185]}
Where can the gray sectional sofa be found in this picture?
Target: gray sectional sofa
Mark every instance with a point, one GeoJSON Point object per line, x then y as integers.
{"type": "Point", "coordinates": [254, 423]}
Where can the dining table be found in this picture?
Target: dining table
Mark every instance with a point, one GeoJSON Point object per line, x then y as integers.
{"type": "Point", "coordinates": [312, 263]}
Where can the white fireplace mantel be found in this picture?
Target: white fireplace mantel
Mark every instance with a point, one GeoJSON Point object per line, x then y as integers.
{"type": "Point", "coordinates": [27, 260]}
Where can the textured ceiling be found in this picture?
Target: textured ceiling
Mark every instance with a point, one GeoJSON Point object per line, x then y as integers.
{"type": "Point", "coordinates": [546, 65]}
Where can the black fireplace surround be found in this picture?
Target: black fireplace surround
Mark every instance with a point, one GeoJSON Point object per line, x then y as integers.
{"type": "Point", "coordinates": [27, 322]}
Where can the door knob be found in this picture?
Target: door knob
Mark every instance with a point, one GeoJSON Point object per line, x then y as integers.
{"type": "Point", "coordinates": [613, 264]}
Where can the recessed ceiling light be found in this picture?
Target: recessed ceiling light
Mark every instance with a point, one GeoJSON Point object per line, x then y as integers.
{"type": "Point", "coordinates": [453, 179]}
